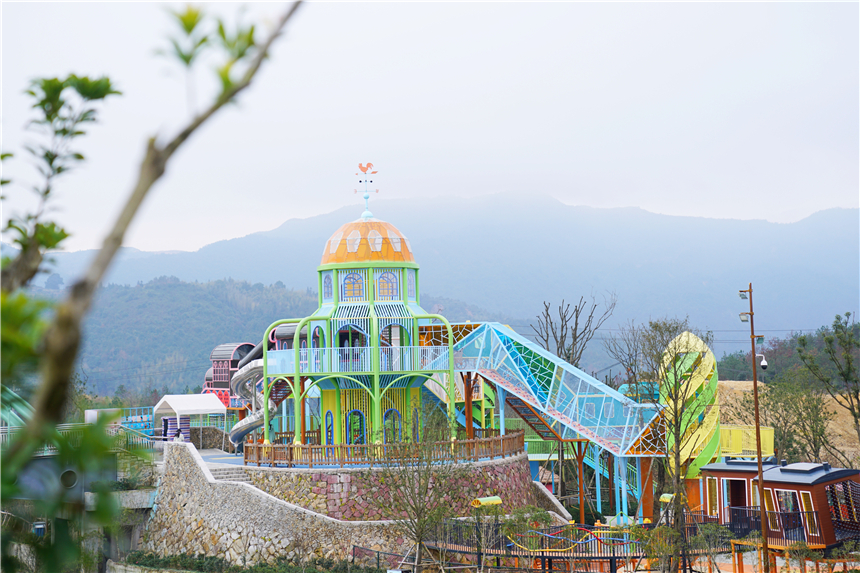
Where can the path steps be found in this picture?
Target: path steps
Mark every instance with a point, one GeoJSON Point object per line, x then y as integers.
{"type": "Point", "coordinates": [230, 474]}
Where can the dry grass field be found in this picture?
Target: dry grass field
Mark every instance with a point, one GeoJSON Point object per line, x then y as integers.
{"type": "Point", "coordinates": [842, 426]}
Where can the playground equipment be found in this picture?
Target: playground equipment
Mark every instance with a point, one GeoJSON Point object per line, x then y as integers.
{"type": "Point", "coordinates": [374, 355]}
{"type": "Point", "coordinates": [247, 384]}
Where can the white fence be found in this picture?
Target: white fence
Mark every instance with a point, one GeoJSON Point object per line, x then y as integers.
{"type": "Point", "coordinates": [358, 359]}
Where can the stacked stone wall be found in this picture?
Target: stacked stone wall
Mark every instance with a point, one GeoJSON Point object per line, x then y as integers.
{"type": "Point", "coordinates": [195, 514]}
{"type": "Point", "coordinates": [359, 494]}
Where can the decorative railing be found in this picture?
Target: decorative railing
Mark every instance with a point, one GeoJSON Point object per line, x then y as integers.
{"type": "Point", "coordinates": [784, 528]}
{"type": "Point", "coordinates": [340, 455]}
{"type": "Point", "coordinates": [358, 359]}
{"type": "Point", "coordinates": [312, 437]}
{"type": "Point", "coordinates": [126, 439]}
{"type": "Point", "coordinates": [478, 433]}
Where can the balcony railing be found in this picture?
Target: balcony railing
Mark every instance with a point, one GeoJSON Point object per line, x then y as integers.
{"type": "Point", "coordinates": [340, 455]}
{"type": "Point", "coordinates": [358, 359]}
{"type": "Point", "coordinates": [784, 528]}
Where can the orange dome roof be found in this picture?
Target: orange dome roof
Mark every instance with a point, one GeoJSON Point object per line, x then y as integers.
{"type": "Point", "coordinates": [367, 240]}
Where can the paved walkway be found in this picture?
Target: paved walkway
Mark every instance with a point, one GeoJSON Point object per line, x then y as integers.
{"type": "Point", "coordinates": [220, 457]}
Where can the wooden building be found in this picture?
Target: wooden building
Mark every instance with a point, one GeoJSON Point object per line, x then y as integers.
{"type": "Point", "coordinates": [813, 503]}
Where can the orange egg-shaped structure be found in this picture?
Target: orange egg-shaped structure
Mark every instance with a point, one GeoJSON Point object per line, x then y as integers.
{"type": "Point", "coordinates": [367, 241]}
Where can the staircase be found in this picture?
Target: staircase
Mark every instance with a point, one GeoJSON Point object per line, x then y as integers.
{"type": "Point", "coordinates": [532, 418]}
{"type": "Point", "coordinates": [230, 474]}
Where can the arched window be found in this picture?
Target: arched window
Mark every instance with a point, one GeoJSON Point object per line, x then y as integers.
{"type": "Point", "coordinates": [355, 431]}
{"type": "Point", "coordinates": [410, 284]}
{"type": "Point", "coordinates": [391, 426]}
{"type": "Point", "coordinates": [329, 428]}
{"type": "Point", "coordinates": [389, 287]}
{"type": "Point", "coordinates": [318, 340]}
{"type": "Point", "coordinates": [327, 289]}
{"type": "Point", "coordinates": [353, 286]}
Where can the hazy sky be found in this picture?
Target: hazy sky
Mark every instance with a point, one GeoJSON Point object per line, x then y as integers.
{"type": "Point", "coordinates": [730, 110]}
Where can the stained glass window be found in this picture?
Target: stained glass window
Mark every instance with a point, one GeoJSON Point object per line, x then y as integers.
{"type": "Point", "coordinates": [353, 286]}
{"type": "Point", "coordinates": [388, 287]}
{"type": "Point", "coordinates": [327, 288]}
{"type": "Point", "coordinates": [329, 428]}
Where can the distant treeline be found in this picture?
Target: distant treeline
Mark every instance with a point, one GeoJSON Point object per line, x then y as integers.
{"type": "Point", "coordinates": [143, 341]}
{"type": "Point", "coordinates": [781, 355]}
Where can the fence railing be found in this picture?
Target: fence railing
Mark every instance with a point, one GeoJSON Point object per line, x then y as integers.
{"type": "Point", "coordinates": [307, 455]}
{"type": "Point", "coordinates": [478, 432]}
{"type": "Point", "coordinates": [358, 359]}
{"type": "Point", "coordinates": [312, 437]}
{"type": "Point", "coordinates": [126, 439]}
{"type": "Point", "coordinates": [784, 528]}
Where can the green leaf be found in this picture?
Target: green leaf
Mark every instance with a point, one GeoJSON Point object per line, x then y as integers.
{"type": "Point", "coordinates": [90, 90]}
{"type": "Point", "coordinates": [189, 19]}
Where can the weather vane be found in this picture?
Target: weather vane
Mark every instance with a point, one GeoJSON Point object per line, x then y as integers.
{"type": "Point", "coordinates": [364, 170]}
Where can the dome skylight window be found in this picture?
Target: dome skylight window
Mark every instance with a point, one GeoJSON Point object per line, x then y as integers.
{"type": "Point", "coordinates": [334, 242]}
{"type": "Point", "coordinates": [375, 241]}
{"type": "Point", "coordinates": [353, 240]}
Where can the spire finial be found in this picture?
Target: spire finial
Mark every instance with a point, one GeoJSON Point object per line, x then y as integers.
{"type": "Point", "coordinates": [364, 172]}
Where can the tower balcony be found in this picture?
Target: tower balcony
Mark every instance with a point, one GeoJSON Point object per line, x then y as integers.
{"type": "Point", "coordinates": [358, 360]}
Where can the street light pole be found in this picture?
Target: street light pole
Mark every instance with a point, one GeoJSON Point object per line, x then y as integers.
{"type": "Point", "coordinates": [761, 505]}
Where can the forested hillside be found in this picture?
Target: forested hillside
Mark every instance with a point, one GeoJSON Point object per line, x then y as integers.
{"type": "Point", "coordinates": [158, 335]}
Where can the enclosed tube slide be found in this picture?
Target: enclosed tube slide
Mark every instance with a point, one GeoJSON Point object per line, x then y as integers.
{"type": "Point", "coordinates": [245, 384]}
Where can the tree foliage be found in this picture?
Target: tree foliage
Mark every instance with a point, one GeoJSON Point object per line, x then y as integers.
{"type": "Point", "coordinates": [422, 486]}
{"type": "Point", "coordinates": [835, 366]}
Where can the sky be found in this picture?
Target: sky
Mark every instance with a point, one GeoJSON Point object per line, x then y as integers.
{"type": "Point", "coordinates": [725, 110]}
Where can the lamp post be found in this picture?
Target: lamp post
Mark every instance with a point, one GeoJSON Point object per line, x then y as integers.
{"type": "Point", "coordinates": [748, 317]}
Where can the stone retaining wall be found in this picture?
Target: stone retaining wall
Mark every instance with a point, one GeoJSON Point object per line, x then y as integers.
{"type": "Point", "coordinates": [357, 494]}
{"type": "Point", "coordinates": [195, 514]}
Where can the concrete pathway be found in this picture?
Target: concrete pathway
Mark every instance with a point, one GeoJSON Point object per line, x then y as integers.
{"type": "Point", "coordinates": [220, 457]}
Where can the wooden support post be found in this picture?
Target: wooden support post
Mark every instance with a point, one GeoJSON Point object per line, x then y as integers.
{"type": "Point", "coordinates": [581, 448]}
{"type": "Point", "coordinates": [467, 395]}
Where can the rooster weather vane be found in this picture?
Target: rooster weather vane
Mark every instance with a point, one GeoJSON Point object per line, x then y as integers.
{"type": "Point", "coordinates": [364, 170]}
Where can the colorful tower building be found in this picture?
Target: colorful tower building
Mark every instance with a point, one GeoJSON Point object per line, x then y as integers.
{"type": "Point", "coordinates": [369, 348]}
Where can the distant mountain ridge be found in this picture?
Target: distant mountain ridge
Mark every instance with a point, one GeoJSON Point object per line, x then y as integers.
{"type": "Point", "coordinates": [508, 253]}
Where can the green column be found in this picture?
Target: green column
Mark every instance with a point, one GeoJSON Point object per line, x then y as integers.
{"type": "Point", "coordinates": [376, 397]}
{"type": "Point", "coordinates": [338, 414]}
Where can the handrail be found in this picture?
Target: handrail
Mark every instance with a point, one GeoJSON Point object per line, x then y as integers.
{"type": "Point", "coordinates": [130, 439]}
{"type": "Point", "coordinates": [340, 455]}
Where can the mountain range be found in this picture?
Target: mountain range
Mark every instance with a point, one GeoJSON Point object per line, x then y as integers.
{"type": "Point", "coordinates": [509, 253]}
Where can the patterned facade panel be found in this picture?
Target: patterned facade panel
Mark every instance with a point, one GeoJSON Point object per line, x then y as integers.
{"type": "Point", "coordinates": [575, 403]}
{"type": "Point", "coordinates": [388, 314]}
{"type": "Point", "coordinates": [357, 315]}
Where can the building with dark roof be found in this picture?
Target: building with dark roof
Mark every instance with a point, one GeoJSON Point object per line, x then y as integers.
{"type": "Point", "coordinates": [805, 502]}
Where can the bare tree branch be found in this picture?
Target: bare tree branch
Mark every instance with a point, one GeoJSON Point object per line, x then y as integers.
{"type": "Point", "coordinates": [577, 325]}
